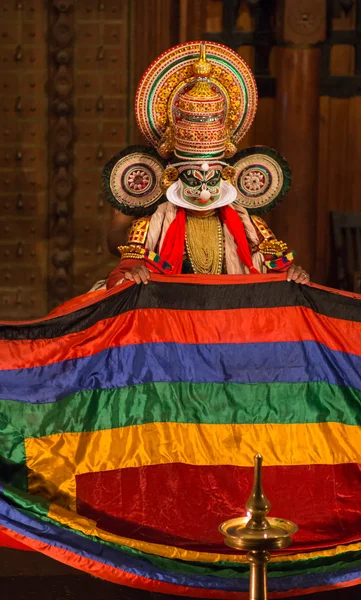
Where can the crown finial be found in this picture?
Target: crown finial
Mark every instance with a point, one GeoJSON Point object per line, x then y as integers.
{"type": "Point", "coordinates": [202, 68]}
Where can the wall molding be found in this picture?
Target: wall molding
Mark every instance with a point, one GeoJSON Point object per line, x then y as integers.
{"type": "Point", "coordinates": [61, 150]}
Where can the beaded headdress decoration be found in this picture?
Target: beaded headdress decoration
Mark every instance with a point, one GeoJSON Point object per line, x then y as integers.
{"type": "Point", "coordinates": [194, 104]}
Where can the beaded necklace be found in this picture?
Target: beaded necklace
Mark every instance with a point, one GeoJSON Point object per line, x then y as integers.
{"type": "Point", "coordinates": [204, 243]}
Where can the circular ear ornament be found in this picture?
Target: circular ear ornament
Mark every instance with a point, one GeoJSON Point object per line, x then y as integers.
{"type": "Point", "coordinates": [132, 181]}
{"type": "Point", "coordinates": [262, 178]}
{"type": "Point", "coordinates": [170, 175]}
{"type": "Point", "coordinates": [228, 173]}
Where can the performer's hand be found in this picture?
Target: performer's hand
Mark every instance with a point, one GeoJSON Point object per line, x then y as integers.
{"type": "Point", "coordinates": [297, 274]}
{"type": "Point", "coordinates": [138, 274]}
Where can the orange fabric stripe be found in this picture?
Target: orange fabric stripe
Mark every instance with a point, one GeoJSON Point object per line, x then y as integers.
{"type": "Point", "coordinates": [55, 460]}
{"type": "Point", "coordinates": [293, 324]}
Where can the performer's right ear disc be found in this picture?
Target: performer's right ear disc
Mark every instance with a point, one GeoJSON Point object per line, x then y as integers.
{"type": "Point", "coordinates": [132, 181]}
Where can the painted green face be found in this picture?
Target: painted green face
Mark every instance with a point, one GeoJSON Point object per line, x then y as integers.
{"type": "Point", "coordinates": [200, 188]}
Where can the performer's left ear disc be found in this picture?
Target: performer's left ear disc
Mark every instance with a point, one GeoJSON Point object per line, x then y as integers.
{"type": "Point", "coordinates": [262, 178]}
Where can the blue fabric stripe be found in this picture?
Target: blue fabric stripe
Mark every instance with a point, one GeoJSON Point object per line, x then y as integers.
{"type": "Point", "coordinates": [292, 362]}
{"type": "Point", "coordinates": [61, 537]}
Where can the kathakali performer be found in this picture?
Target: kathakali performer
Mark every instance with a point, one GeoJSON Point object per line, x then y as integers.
{"type": "Point", "coordinates": [192, 203]}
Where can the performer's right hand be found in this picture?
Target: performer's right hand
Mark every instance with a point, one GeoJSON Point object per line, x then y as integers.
{"type": "Point", "coordinates": [138, 274]}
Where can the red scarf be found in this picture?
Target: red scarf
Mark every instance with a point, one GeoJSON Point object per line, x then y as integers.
{"type": "Point", "coordinates": [231, 218]}
{"type": "Point", "coordinates": [172, 249]}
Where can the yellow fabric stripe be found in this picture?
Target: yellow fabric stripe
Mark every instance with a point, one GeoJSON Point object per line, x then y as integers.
{"type": "Point", "coordinates": [54, 461]}
{"type": "Point", "coordinates": [87, 526]}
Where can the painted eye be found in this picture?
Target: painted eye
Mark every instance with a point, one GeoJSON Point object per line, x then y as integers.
{"type": "Point", "coordinates": [193, 182]}
{"type": "Point", "coordinates": [213, 182]}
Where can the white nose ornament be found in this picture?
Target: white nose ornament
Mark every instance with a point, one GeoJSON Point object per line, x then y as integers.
{"type": "Point", "coordinates": [205, 195]}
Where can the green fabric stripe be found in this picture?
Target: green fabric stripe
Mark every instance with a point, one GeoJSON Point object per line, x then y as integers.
{"type": "Point", "coordinates": [223, 403]}
{"type": "Point", "coordinates": [224, 569]}
{"type": "Point", "coordinates": [12, 449]}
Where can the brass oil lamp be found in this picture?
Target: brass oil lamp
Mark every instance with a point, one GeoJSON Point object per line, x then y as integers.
{"type": "Point", "coordinates": [258, 535]}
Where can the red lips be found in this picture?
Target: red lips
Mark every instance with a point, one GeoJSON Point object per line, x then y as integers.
{"type": "Point", "coordinates": [198, 200]}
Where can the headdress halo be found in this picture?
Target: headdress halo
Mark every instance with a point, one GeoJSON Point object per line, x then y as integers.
{"type": "Point", "coordinates": [165, 85]}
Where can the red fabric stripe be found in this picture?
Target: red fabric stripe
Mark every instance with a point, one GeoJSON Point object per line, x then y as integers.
{"type": "Point", "coordinates": [192, 501]}
{"type": "Point", "coordinates": [188, 327]}
{"type": "Point", "coordinates": [6, 541]}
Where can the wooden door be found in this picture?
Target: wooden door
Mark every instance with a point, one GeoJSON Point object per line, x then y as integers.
{"type": "Point", "coordinates": [68, 74]}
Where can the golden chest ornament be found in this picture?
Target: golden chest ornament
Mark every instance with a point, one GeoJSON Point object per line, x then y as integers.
{"type": "Point", "coordinates": [204, 243]}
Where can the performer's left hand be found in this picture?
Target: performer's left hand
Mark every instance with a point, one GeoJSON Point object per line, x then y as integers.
{"type": "Point", "coordinates": [297, 274]}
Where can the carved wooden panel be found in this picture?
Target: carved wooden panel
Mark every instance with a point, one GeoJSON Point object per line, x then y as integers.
{"type": "Point", "coordinates": [101, 117]}
{"type": "Point", "coordinates": [23, 160]}
{"type": "Point", "coordinates": [302, 22]}
{"type": "Point", "coordinates": [61, 141]}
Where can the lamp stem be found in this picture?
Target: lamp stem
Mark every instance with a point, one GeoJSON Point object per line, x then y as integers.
{"type": "Point", "coordinates": [258, 560]}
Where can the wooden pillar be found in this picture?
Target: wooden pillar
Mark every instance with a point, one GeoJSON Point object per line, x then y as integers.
{"type": "Point", "coordinates": [192, 20]}
{"type": "Point", "coordinates": [300, 27]}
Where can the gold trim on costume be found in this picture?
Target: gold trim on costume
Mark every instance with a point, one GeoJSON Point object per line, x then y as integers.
{"type": "Point", "coordinates": [272, 247]}
{"type": "Point", "coordinates": [131, 251]}
{"type": "Point", "coordinates": [138, 232]}
{"type": "Point", "coordinates": [135, 248]}
{"type": "Point", "coordinates": [262, 228]}
{"type": "Point", "coordinates": [269, 244]}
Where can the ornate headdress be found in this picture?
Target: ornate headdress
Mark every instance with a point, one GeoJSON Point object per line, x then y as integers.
{"type": "Point", "coordinates": [194, 104]}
